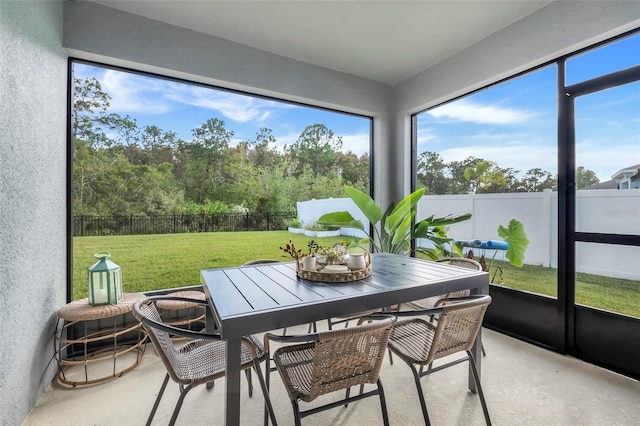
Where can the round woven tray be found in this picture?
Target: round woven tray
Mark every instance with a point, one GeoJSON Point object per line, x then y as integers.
{"type": "Point", "coordinates": [334, 277]}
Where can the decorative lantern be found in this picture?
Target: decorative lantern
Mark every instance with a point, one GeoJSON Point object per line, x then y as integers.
{"type": "Point", "coordinates": [105, 281]}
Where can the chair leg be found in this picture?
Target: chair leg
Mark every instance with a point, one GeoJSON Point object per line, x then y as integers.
{"type": "Point", "coordinates": [383, 403]}
{"type": "Point", "coordinates": [346, 395]}
{"type": "Point", "coordinates": [247, 373]}
{"type": "Point", "coordinates": [183, 392]}
{"type": "Point", "coordinates": [296, 413]}
{"type": "Point", "coordinates": [267, 377]}
{"type": "Point", "coordinates": [483, 351]}
{"type": "Point", "coordinates": [158, 398]}
{"type": "Point", "coordinates": [390, 357]}
{"type": "Point", "coordinates": [429, 367]}
{"type": "Point", "coordinates": [423, 404]}
{"type": "Point", "coordinates": [265, 393]}
{"type": "Point", "coordinates": [474, 370]}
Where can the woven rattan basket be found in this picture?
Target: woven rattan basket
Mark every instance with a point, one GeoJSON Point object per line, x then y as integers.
{"type": "Point", "coordinates": [334, 277]}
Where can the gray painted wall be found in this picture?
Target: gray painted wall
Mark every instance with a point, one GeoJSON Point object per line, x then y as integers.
{"type": "Point", "coordinates": [33, 255]}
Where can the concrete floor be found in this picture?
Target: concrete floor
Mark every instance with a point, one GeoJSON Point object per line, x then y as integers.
{"type": "Point", "coordinates": [523, 385]}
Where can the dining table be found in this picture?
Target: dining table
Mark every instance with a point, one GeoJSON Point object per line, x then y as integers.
{"type": "Point", "coordinates": [252, 299]}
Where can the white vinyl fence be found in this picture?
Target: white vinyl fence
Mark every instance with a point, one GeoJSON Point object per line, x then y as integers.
{"type": "Point", "coordinates": [310, 211]}
{"type": "Point", "coordinates": [607, 211]}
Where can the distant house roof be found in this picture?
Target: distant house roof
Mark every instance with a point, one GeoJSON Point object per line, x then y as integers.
{"type": "Point", "coordinates": [623, 176]}
{"type": "Point", "coordinates": [627, 172]}
{"type": "Point", "coordinates": [610, 184]}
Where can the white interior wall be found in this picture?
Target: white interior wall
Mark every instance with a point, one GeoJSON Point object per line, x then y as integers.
{"type": "Point", "coordinates": [33, 258]}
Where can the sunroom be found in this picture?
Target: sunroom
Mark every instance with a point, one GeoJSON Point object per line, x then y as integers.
{"type": "Point", "coordinates": [41, 40]}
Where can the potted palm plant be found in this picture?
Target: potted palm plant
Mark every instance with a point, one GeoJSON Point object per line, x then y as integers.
{"type": "Point", "coordinates": [394, 229]}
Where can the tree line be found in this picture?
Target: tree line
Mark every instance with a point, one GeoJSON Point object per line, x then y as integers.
{"type": "Point", "coordinates": [121, 168]}
{"type": "Point", "coordinates": [479, 175]}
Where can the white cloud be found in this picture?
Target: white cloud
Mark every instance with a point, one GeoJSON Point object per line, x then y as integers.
{"type": "Point", "coordinates": [425, 135]}
{"type": "Point", "coordinates": [524, 154]}
{"type": "Point", "coordinates": [465, 110]}
{"type": "Point", "coordinates": [604, 159]}
{"type": "Point", "coordinates": [130, 93]}
{"type": "Point", "coordinates": [630, 98]}
{"type": "Point", "coordinates": [487, 137]}
{"type": "Point", "coordinates": [286, 139]}
{"type": "Point", "coordinates": [235, 107]}
{"type": "Point", "coordinates": [357, 143]}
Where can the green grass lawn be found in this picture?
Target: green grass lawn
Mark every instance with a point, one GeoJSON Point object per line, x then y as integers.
{"type": "Point", "coordinates": [154, 262]}
{"type": "Point", "coordinates": [611, 294]}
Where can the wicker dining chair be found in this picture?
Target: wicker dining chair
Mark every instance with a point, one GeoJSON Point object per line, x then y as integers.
{"type": "Point", "coordinates": [420, 342]}
{"type": "Point", "coordinates": [187, 315]}
{"type": "Point", "coordinates": [202, 359]}
{"type": "Point", "coordinates": [431, 302]}
{"type": "Point", "coordinates": [331, 361]}
{"type": "Point", "coordinates": [344, 319]}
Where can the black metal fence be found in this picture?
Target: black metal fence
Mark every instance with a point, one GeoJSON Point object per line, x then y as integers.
{"type": "Point", "coordinates": [175, 224]}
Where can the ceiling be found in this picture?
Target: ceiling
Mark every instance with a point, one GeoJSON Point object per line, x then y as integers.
{"type": "Point", "coordinates": [385, 41]}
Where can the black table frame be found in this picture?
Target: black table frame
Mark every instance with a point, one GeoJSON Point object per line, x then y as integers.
{"type": "Point", "coordinates": [258, 298]}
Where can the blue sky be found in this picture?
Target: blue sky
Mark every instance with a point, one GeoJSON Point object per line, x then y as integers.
{"type": "Point", "coordinates": [515, 123]}
{"type": "Point", "coordinates": [512, 124]}
{"type": "Point", "coordinates": [182, 107]}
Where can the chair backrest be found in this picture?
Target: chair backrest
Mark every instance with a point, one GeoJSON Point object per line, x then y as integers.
{"type": "Point", "coordinates": [145, 311]}
{"type": "Point", "coordinates": [463, 262]}
{"type": "Point", "coordinates": [458, 326]}
{"type": "Point", "coordinates": [260, 262]}
{"type": "Point", "coordinates": [349, 357]}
